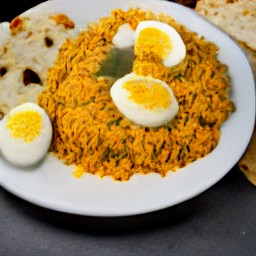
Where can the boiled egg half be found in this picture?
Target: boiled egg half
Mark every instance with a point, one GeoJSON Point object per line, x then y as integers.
{"type": "Point", "coordinates": [160, 39]}
{"type": "Point", "coordinates": [144, 100]}
{"type": "Point", "coordinates": [26, 134]}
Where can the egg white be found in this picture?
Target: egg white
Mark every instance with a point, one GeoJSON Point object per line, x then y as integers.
{"type": "Point", "coordinates": [124, 37]}
{"type": "Point", "coordinates": [16, 150]}
{"type": "Point", "coordinates": [178, 51]}
{"type": "Point", "coordinates": [136, 112]}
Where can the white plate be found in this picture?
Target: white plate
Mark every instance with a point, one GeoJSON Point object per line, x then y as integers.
{"type": "Point", "coordinates": [52, 185]}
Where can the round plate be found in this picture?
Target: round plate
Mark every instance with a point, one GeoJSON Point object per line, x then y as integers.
{"type": "Point", "coordinates": [52, 184]}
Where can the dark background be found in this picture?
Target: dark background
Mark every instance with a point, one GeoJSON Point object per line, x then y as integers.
{"type": "Point", "coordinates": [9, 9]}
{"type": "Point", "coordinates": [220, 221]}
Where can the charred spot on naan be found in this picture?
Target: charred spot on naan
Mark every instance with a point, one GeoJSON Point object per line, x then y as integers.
{"type": "Point", "coordinates": [64, 20]}
{"type": "Point", "coordinates": [16, 25]}
{"type": "Point", "coordinates": [3, 71]}
{"type": "Point", "coordinates": [30, 76]}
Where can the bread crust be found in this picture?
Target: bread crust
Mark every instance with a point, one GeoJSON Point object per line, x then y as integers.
{"type": "Point", "coordinates": [247, 163]}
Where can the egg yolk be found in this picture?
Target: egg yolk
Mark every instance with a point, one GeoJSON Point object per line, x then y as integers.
{"type": "Point", "coordinates": [149, 94]}
{"type": "Point", "coordinates": [155, 41]}
{"type": "Point", "coordinates": [25, 125]}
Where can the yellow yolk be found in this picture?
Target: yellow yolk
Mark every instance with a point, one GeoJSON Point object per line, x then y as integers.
{"type": "Point", "coordinates": [25, 125]}
{"type": "Point", "coordinates": [155, 41]}
{"type": "Point", "coordinates": [151, 94]}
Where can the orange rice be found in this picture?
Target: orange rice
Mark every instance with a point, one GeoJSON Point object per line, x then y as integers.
{"type": "Point", "coordinates": [91, 133]}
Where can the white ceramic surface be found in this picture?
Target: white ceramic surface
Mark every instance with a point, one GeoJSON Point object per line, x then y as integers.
{"type": "Point", "coordinates": [52, 185]}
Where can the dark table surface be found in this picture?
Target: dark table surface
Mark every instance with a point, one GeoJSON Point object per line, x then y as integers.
{"type": "Point", "coordinates": [220, 221]}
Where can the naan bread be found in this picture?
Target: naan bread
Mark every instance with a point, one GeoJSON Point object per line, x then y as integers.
{"type": "Point", "coordinates": [247, 163]}
{"type": "Point", "coordinates": [28, 47]}
{"type": "Point", "coordinates": [238, 19]}
{"type": "Point", "coordinates": [251, 55]}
